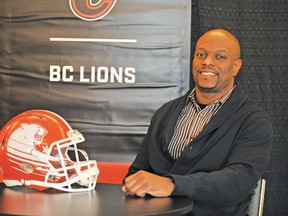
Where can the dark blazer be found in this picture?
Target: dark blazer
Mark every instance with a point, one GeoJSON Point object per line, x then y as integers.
{"type": "Point", "coordinates": [222, 165]}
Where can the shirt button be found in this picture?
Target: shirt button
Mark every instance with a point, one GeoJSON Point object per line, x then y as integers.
{"type": "Point", "coordinates": [201, 114]}
{"type": "Point", "coordinates": [192, 137]}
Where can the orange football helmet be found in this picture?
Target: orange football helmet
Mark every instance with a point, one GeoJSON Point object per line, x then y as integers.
{"type": "Point", "coordinates": [38, 149]}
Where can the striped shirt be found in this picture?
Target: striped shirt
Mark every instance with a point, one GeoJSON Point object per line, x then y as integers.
{"type": "Point", "coordinates": [191, 122]}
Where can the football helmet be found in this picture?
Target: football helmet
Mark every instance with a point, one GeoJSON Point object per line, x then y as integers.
{"type": "Point", "coordinates": [38, 149]}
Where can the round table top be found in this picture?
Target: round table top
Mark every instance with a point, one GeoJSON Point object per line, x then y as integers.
{"type": "Point", "coordinates": [105, 200]}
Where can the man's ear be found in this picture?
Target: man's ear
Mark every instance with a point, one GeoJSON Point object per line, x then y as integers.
{"type": "Point", "coordinates": [237, 66]}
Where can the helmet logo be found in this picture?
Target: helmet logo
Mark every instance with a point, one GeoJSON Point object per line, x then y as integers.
{"type": "Point", "coordinates": [30, 134]}
{"type": "Point", "coordinates": [40, 132]}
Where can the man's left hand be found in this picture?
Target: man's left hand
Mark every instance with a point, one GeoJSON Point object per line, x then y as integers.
{"type": "Point", "coordinates": [142, 183]}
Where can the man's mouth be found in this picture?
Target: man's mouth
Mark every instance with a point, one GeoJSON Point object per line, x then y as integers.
{"type": "Point", "coordinates": [207, 73]}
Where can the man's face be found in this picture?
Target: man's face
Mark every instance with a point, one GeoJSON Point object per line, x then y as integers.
{"type": "Point", "coordinates": [216, 62]}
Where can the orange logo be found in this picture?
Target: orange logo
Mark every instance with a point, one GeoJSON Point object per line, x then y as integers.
{"type": "Point", "coordinates": [89, 11]}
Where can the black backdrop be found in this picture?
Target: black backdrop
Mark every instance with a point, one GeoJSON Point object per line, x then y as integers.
{"type": "Point", "coordinates": [262, 28]}
{"type": "Point", "coordinates": [106, 88]}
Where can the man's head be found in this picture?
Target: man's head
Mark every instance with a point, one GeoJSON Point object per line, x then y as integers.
{"type": "Point", "coordinates": [216, 62]}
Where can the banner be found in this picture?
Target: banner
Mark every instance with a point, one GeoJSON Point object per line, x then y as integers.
{"type": "Point", "coordinates": [105, 66]}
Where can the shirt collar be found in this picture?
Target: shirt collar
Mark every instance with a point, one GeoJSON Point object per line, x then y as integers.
{"type": "Point", "coordinates": [191, 97]}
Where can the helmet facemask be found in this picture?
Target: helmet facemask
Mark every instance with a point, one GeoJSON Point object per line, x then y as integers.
{"type": "Point", "coordinates": [66, 166]}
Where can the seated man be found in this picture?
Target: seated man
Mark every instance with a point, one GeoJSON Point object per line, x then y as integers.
{"type": "Point", "coordinates": [211, 144]}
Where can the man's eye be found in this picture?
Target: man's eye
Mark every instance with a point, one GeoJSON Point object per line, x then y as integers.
{"type": "Point", "coordinates": [220, 57]}
{"type": "Point", "coordinates": [201, 55]}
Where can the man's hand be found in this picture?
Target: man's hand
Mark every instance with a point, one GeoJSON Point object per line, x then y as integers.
{"type": "Point", "coordinates": [143, 182]}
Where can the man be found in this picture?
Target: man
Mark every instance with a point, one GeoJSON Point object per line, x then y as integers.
{"type": "Point", "coordinates": [211, 144]}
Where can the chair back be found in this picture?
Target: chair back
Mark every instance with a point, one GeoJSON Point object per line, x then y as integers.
{"type": "Point", "coordinates": [257, 203]}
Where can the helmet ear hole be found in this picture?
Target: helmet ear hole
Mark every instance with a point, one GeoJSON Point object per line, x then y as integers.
{"type": "Point", "coordinates": [27, 167]}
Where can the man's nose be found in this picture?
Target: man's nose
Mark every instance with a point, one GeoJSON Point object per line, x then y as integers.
{"type": "Point", "coordinates": [208, 61]}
